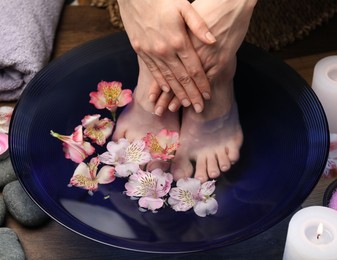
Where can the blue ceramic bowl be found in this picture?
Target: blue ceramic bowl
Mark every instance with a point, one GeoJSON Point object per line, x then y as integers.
{"type": "Point", "coordinates": [286, 142]}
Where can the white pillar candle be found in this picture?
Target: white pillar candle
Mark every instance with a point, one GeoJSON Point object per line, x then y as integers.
{"type": "Point", "coordinates": [312, 234]}
{"type": "Point", "coordinates": [324, 83]}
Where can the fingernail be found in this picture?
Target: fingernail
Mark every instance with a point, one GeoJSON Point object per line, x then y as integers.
{"type": "Point", "coordinates": [152, 98]}
{"type": "Point", "coordinates": [206, 95]}
{"type": "Point", "coordinates": [165, 88]}
{"type": "Point", "coordinates": [185, 102]}
{"type": "Point", "coordinates": [172, 107]}
{"type": "Point", "coordinates": [197, 107]}
{"type": "Point", "coordinates": [210, 37]}
{"type": "Point", "coordinates": [159, 111]}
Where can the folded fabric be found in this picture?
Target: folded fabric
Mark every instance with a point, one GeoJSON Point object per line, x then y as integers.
{"type": "Point", "coordinates": [27, 30]}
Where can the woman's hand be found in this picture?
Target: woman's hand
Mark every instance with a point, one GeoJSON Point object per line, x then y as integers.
{"type": "Point", "coordinates": [158, 33]}
{"type": "Point", "coordinates": [228, 20]}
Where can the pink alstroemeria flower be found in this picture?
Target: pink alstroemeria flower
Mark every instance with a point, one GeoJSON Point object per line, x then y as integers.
{"type": "Point", "coordinates": [125, 156]}
{"type": "Point", "coordinates": [163, 145]}
{"type": "Point", "coordinates": [150, 187]}
{"type": "Point", "coordinates": [331, 165]}
{"type": "Point", "coordinates": [86, 176]}
{"type": "Point", "coordinates": [110, 96]}
{"type": "Point", "coordinates": [3, 143]}
{"type": "Point", "coordinates": [97, 130]}
{"type": "Point", "coordinates": [191, 193]}
{"type": "Point", "coordinates": [5, 117]}
{"type": "Point", "coordinates": [74, 147]}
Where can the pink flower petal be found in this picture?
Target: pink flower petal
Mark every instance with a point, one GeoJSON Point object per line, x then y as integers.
{"type": "Point", "coordinates": [106, 175]}
{"type": "Point", "coordinates": [124, 98]}
{"type": "Point", "coordinates": [108, 158]}
{"type": "Point", "coordinates": [97, 130]}
{"type": "Point", "coordinates": [150, 203]}
{"type": "Point", "coordinates": [73, 145]}
{"type": "Point", "coordinates": [153, 184]}
{"type": "Point", "coordinates": [167, 138]}
{"type": "Point", "coordinates": [98, 100]}
{"type": "Point", "coordinates": [77, 135]}
{"type": "Point", "coordinates": [164, 181]}
{"type": "Point", "coordinates": [116, 153]}
{"type": "Point", "coordinates": [3, 143]}
{"type": "Point", "coordinates": [185, 195]}
{"type": "Point", "coordinates": [83, 170]}
{"type": "Point", "coordinates": [183, 202]}
{"type": "Point", "coordinates": [204, 208]}
{"type": "Point", "coordinates": [110, 95]}
{"type": "Point", "coordinates": [207, 188]}
{"type": "Point", "coordinates": [5, 117]}
{"type": "Point", "coordinates": [163, 145]}
{"type": "Point", "coordinates": [125, 170]}
{"type": "Point", "coordinates": [90, 120]}
{"type": "Point", "coordinates": [85, 175]}
{"type": "Point", "coordinates": [82, 178]}
{"type": "Point", "coordinates": [136, 153]}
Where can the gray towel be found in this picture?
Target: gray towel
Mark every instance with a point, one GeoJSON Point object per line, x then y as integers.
{"type": "Point", "coordinates": [27, 30]}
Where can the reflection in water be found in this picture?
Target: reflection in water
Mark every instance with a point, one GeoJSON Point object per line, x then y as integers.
{"type": "Point", "coordinates": [99, 218]}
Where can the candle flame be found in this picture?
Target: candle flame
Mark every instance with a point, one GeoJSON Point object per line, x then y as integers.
{"type": "Point", "coordinates": [320, 230]}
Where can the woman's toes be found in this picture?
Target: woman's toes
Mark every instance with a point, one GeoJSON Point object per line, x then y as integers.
{"type": "Point", "coordinates": [223, 160]}
{"type": "Point", "coordinates": [181, 167]}
{"type": "Point", "coordinates": [233, 154]}
{"type": "Point", "coordinates": [212, 166]}
{"type": "Point", "coordinates": [201, 169]}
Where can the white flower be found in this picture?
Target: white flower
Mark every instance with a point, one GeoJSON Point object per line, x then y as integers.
{"type": "Point", "coordinates": [150, 187]}
{"type": "Point", "coordinates": [191, 193]}
{"type": "Point", "coordinates": [126, 157]}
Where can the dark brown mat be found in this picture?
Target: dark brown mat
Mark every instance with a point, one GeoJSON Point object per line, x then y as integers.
{"type": "Point", "coordinates": [275, 23]}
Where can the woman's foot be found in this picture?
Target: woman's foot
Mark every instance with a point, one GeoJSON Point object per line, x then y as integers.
{"type": "Point", "coordinates": [212, 139]}
{"type": "Point", "coordinates": [138, 118]}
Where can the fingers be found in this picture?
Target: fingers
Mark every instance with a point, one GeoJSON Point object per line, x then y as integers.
{"type": "Point", "coordinates": [184, 74]}
{"type": "Point", "coordinates": [163, 100]}
{"type": "Point", "coordinates": [174, 105]}
{"type": "Point", "coordinates": [177, 66]}
{"type": "Point", "coordinates": [197, 25]}
{"type": "Point", "coordinates": [166, 101]}
{"type": "Point", "coordinates": [156, 72]}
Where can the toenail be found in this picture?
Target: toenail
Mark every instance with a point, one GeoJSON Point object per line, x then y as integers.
{"type": "Point", "coordinates": [185, 102]}
{"type": "Point", "coordinates": [197, 107]}
{"type": "Point", "coordinates": [224, 168]}
{"type": "Point", "coordinates": [214, 174]}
